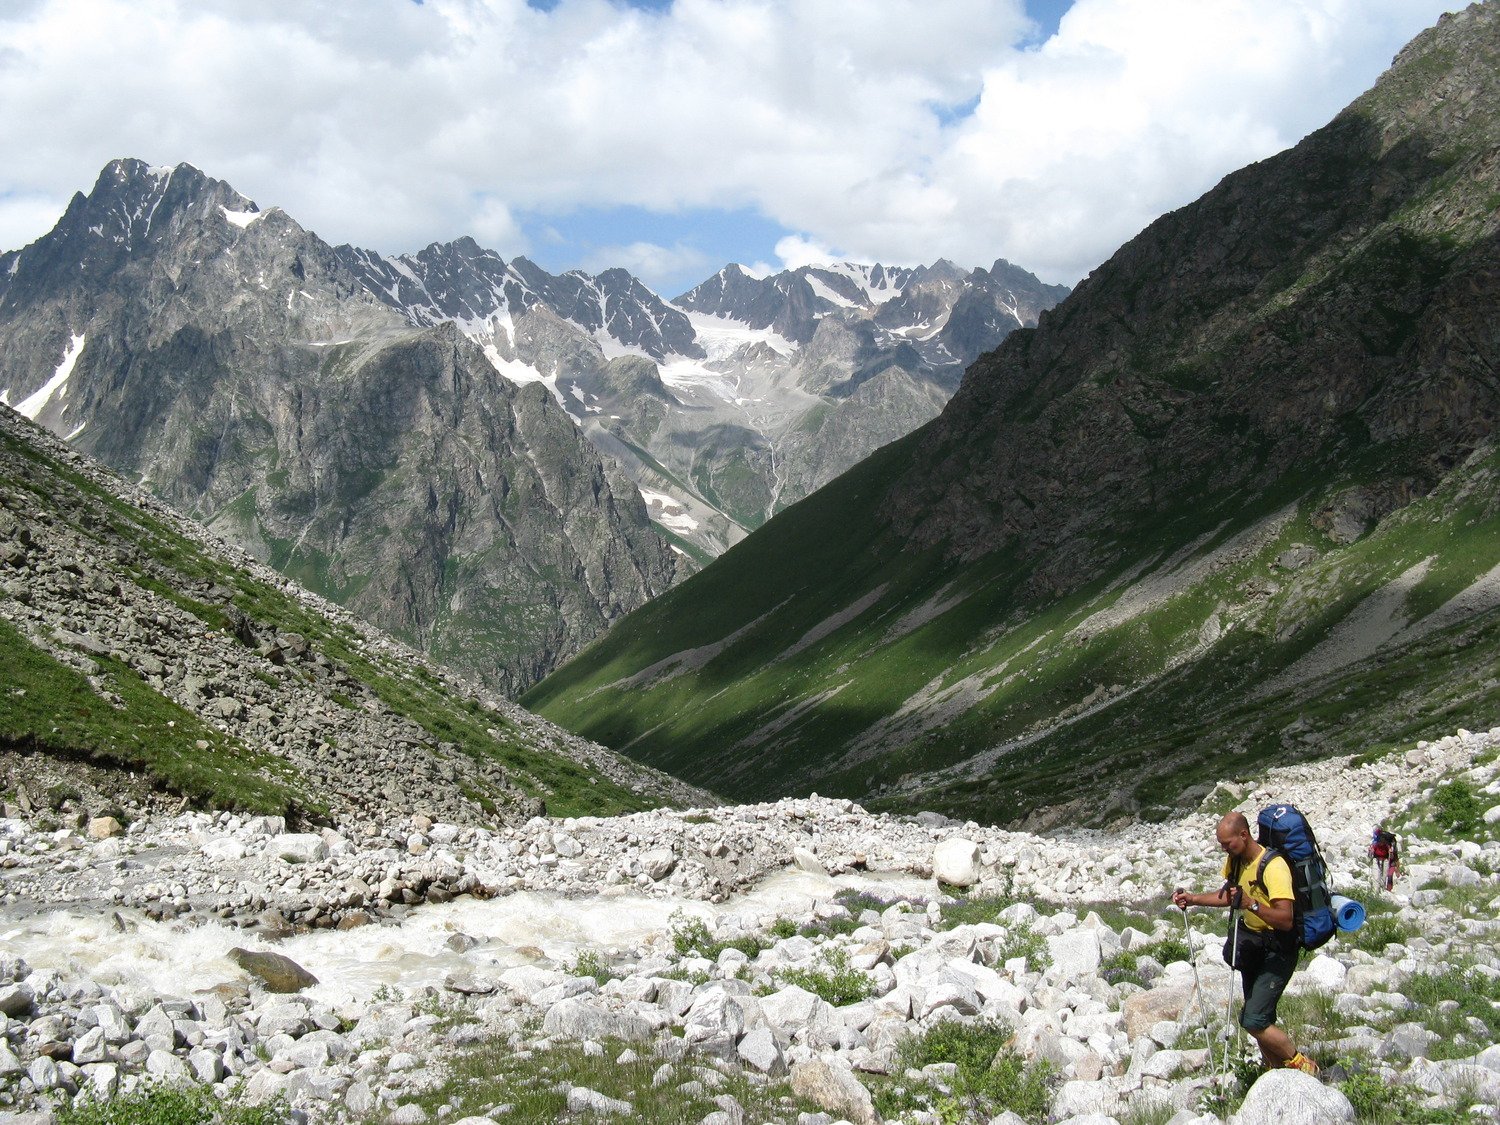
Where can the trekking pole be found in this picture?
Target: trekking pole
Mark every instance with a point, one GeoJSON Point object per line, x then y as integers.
{"type": "Point", "coordinates": [1231, 1037]}
{"type": "Point", "coordinates": [1187, 931]}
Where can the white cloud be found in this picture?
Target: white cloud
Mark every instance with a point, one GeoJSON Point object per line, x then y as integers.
{"type": "Point", "coordinates": [653, 264]}
{"type": "Point", "coordinates": [392, 124]}
{"type": "Point", "coordinates": [24, 217]}
{"type": "Point", "coordinates": [796, 251]}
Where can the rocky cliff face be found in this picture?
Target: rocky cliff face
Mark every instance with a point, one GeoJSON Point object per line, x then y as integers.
{"type": "Point", "coordinates": [145, 656]}
{"type": "Point", "coordinates": [230, 360]}
{"type": "Point", "coordinates": [1236, 494]}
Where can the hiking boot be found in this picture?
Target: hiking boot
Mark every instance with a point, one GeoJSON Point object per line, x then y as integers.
{"type": "Point", "coordinates": [1301, 1062]}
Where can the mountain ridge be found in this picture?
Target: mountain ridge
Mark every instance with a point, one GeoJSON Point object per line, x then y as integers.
{"type": "Point", "coordinates": [236, 365]}
{"type": "Point", "coordinates": [1187, 478]}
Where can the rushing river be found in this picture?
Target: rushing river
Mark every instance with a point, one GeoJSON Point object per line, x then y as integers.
{"type": "Point", "coordinates": [170, 958]}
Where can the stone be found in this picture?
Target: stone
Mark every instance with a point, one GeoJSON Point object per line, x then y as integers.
{"type": "Point", "coordinates": [44, 1074]}
{"type": "Point", "coordinates": [1143, 1010]}
{"type": "Point", "coordinates": [1408, 1041]}
{"type": "Point", "coordinates": [955, 862]}
{"type": "Point", "coordinates": [946, 990]}
{"type": "Point", "coordinates": [167, 1066]}
{"type": "Point", "coordinates": [758, 1049]}
{"type": "Point", "coordinates": [1323, 973]}
{"type": "Point", "coordinates": [579, 1018]}
{"type": "Point", "coordinates": [1290, 1097]}
{"type": "Point", "coordinates": [16, 1000]}
{"type": "Point", "coordinates": [790, 1007]}
{"type": "Point", "coordinates": [830, 1084]}
{"type": "Point", "coordinates": [103, 1079]}
{"type": "Point", "coordinates": [658, 863]}
{"type": "Point", "coordinates": [1075, 954]}
{"type": "Point", "coordinates": [299, 847]}
{"type": "Point", "coordinates": [275, 971]}
{"type": "Point", "coordinates": [805, 860]}
{"type": "Point", "coordinates": [104, 827]}
{"type": "Point", "coordinates": [90, 1047]}
{"type": "Point", "coordinates": [714, 1015]}
{"type": "Point", "coordinates": [583, 1100]}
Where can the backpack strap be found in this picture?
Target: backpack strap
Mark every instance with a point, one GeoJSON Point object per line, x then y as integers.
{"type": "Point", "coordinates": [1259, 878]}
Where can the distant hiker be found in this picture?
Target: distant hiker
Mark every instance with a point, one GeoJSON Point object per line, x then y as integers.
{"type": "Point", "coordinates": [1262, 944]}
{"type": "Point", "coordinates": [1385, 851]}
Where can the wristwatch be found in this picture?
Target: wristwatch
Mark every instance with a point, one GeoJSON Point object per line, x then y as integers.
{"type": "Point", "coordinates": [1255, 908]}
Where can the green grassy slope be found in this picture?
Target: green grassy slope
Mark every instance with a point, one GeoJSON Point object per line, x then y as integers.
{"type": "Point", "coordinates": [1219, 505]}
{"type": "Point", "coordinates": [48, 707]}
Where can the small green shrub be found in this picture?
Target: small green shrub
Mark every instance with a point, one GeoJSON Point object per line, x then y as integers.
{"type": "Point", "coordinates": [1168, 950]}
{"type": "Point", "coordinates": [992, 1077]}
{"type": "Point", "coordinates": [690, 935]}
{"type": "Point", "coordinates": [1457, 808]}
{"type": "Point", "coordinates": [1023, 941]}
{"type": "Point", "coordinates": [1475, 996]}
{"type": "Point", "coordinates": [1379, 932]}
{"type": "Point", "coordinates": [590, 964]}
{"type": "Point", "coordinates": [837, 982]}
{"type": "Point", "coordinates": [979, 908]}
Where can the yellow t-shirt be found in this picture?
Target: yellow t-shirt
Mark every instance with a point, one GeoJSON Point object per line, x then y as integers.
{"type": "Point", "coordinates": [1278, 880]}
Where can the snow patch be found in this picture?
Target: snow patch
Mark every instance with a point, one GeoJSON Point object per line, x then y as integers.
{"type": "Point", "coordinates": [826, 293]}
{"type": "Point", "coordinates": [721, 336]}
{"type": "Point", "coordinates": [76, 431]}
{"type": "Point", "coordinates": [668, 511]}
{"type": "Point", "coordinates": [35, 403]}
{"type": "Point", "coordinates": [241, 219]}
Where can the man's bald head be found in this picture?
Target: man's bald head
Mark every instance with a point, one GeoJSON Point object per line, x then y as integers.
{"type": "Point", "coordinates": [1233, 834]}
{"type": "Point", "coordinates": [1234, 822]}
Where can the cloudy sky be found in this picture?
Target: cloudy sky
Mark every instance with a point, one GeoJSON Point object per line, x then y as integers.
{"type": "Point", "coordinates": [672, 136]}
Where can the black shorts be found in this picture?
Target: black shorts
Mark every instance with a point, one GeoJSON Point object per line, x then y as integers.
{"type": "Point", "coordinates": [1265, 966]}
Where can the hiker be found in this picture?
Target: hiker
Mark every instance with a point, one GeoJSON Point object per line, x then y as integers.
{"type": "Point", "coordinates": [1386, 854]}
{"type": "Point", "coordinates": [1262, 944]}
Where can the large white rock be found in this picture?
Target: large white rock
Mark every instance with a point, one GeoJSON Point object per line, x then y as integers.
{"type": "Point", "coordinates": [1289, 1097]}
{"type": "Point", "coordinates": [658, 863]}
{"type": "Point", "coordinates": [758, 1049]}
{"type": "Point", "coordinates": [299, 847]}
{"type": "Point", "coordinates": [578, 1018]}
{"type": "Point", "coordinates": [955, 861]}
{"type": "Point", "coordinates": [1075, 954]}
{"type": "Point", "coordinates": [807, 861]}
{"type": "Point", "coordinates": [1325, 974]}
{"type": "Point", "coordinates": [715, 1014]}
{"type": "Point", "coordinates": [1080, 1098]}
{"type": "Point", "coordinates": [830, 1084]}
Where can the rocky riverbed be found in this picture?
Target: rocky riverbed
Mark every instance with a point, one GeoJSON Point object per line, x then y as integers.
{"type": "Point", "coordinates": [768, 962]}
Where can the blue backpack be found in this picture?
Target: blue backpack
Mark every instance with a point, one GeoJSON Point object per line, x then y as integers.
{"type": "Point", "coordinates": [1282, 830]}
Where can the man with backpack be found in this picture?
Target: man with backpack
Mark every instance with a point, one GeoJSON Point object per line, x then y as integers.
{"type": "Point", "coordinates": [1263, 945]}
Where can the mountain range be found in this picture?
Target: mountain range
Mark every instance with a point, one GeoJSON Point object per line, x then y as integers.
{"type": "Point", "coordinates": [738, 397]}
{"type": "Point", "coordinates": [1234, 499]}
{"type": "Point", "coordinates": [406, 435]}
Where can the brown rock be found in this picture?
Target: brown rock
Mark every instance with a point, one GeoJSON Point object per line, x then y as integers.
{"type": "Point", "coordinates": [1143, 1009]}
{"type": "Point", "coordinates": [103, 827]}
{"type": "Point", "coordinates": [276, 972]}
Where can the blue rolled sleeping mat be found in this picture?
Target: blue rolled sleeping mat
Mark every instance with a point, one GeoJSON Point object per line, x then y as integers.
{"type": "Point", "coordinates": [1348, 915]}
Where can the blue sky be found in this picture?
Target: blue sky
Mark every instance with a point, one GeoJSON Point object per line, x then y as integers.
{"type": "Point", "coordinates": [671, 137]}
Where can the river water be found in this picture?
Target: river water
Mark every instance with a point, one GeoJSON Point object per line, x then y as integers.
{"type": "Point", "coordinates": [173, 959]}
